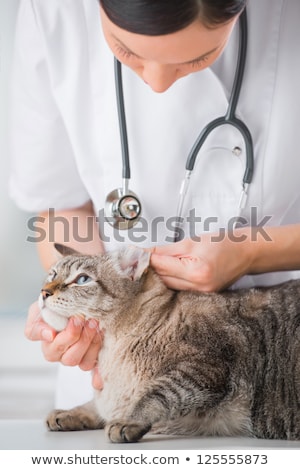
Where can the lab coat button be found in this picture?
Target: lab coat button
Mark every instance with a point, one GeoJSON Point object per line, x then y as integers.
{"type": "Point", "coordinates": [237, 151]}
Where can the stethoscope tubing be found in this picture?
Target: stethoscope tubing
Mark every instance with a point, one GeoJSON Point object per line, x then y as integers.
{"type": "Point", "coordinates": [228, 119]}
{"type": "Point", "coordinates": [126, 173]}
{"type": "Point", "coordinates": [242, 128]}
{"type": "Point", "coordinates": [230, 116]}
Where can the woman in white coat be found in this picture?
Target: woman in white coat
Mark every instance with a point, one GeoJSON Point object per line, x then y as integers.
{"type": "Point", "coordinates": [180, 59]}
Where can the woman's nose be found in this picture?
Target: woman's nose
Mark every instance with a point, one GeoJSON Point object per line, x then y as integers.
{"type": "Point", "coordinates": [159, 77]}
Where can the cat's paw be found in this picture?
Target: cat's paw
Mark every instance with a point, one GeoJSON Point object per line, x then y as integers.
{"type": "Point", "coordinates": [62, 420]}
{"type": "Point", "coordinates": [126, 431]}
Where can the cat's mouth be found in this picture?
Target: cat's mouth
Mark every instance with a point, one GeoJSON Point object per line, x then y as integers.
{"type": "Point", "coordinates": [57, 320]}
{"type": "Point", "coordinates": [52, 318]}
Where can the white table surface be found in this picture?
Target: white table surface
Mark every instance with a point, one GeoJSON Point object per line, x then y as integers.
{"type": "Point", "coordinates": [32, 434]}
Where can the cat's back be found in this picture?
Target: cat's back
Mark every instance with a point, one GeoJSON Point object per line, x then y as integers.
{"type": "Point", "coordinates": [243, 345]}
{"type": "Point", "coordinates": [256, 333]}
{"type": "Point", "coordinates": [258, 305]}
{"type": "Point", "coordinates": [252, 330]}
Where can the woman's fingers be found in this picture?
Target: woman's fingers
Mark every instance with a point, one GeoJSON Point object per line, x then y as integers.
{"type": "Point", "coordinates": [84, 352]}
{"type": "Point", "coordinates": [181, 273]}
{"type": "Point", "coordinates": [97, 381]}
{"type": "Point", "coordinates": [36, 329]}
{"type": "Point", "coordinates": [176, 266]}
{"type": "Point", "coordinates": [54, 350]}
{"type": "Point", "coordinates": [207, 264]}
{"type": "Point", "coordinates": [78, 344]}
{"type": "Point", "coordinates": [173, 249]}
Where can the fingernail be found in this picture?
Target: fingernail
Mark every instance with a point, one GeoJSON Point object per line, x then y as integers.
{"type": "Point", "coordinates": [93, 324]}
{"type": "Point", "coordinates": [78, 321]}
{"type": "Point", "coordinates": [47, 335]}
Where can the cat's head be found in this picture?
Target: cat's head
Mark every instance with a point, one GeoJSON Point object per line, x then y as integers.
{"type": "Point", "coordinates": [92, 286]}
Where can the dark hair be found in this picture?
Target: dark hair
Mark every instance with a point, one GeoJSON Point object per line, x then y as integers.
{"type": "Point", "coordinates": [158, 17]}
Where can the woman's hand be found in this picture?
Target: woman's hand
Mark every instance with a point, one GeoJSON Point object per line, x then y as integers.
{"type": "Point", "coordinates": [78, 344]}
{"type": "Point", "coordinates": [215, 261]}
{"type": "Point", "coordinates": [210, 263]}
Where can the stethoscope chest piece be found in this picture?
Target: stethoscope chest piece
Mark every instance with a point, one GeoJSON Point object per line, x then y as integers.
{"type": "Point", "coordinates": [122, 209]}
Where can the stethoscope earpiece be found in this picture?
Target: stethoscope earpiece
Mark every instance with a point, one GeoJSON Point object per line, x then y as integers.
{"type": "Point", "coordinates": [122, 210]}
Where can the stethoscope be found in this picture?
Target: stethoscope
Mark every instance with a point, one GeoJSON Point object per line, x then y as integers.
{"type": "Point", "coordinates": [123, 208]}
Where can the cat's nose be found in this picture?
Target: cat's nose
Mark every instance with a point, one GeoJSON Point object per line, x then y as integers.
{"type": "Point", "coordinates": [46, 293]}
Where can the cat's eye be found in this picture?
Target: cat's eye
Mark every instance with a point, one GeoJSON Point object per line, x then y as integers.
{"type": "Point", "coordinates": [51, 276]}
{"type": "Point", "coordinates": [82, 279]}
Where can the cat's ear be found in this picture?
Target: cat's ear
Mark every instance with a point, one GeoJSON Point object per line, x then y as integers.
{"type": "Point", "coordinates": [133, 262]}
{"type": "Point", "coordinates": [65, 250]}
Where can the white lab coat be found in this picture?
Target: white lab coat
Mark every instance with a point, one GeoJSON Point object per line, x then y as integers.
{"type": "Point", "coordinates": [65, 136]}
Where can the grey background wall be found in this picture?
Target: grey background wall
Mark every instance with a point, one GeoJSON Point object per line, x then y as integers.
{"type": "Point", "coordinates": [20, 272]}
{"type": "Point", "coordinates": [27, 380]}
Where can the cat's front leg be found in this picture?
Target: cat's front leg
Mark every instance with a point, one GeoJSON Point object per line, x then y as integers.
{"type": "Point", "coordinates": [147, 411]}
{"type": "Point", "coordinates": [77, 419]}
{"type": "Point", "coordinates": [170, 397]}
{"type": "Point", "coordinates": [154, 406]}
{"type": "Point", "coordinates": [120, 431]}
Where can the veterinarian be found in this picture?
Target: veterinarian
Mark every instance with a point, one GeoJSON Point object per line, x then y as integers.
{"type": "Point", "coordinates": [179, 63]}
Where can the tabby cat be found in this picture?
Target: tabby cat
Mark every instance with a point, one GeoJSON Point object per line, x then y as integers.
{"type": "Point", "coordinates": [179, 362]}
